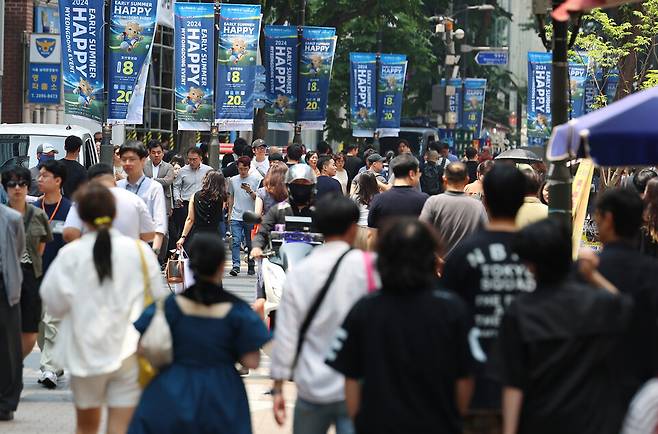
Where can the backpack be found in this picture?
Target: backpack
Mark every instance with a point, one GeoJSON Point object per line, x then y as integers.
{"type": "Point", "coordinates": [431, 180]}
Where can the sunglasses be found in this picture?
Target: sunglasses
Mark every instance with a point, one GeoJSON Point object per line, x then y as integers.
{"type": "Point", "coordinates": [14, 184]}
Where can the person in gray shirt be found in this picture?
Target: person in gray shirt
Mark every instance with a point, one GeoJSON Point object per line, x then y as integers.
{"type": "Point", "coordinates": [188, 181]}
{"type": "Point", "coordinates": [454, 214]}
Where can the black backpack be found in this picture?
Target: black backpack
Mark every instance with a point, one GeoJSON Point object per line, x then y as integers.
{"type": "Point", "coordinates": [431, 180]}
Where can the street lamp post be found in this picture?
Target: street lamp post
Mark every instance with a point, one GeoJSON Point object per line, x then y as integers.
{"type": "Point", "coordinates": [301, 21]}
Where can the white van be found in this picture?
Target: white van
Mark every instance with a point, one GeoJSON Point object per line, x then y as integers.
{"type": "Point", "coordinates": [19, 142]}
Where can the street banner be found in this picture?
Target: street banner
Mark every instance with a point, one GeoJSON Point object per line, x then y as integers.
{"type": "Point", "coordinates": [455, 101]}
{"type": "Point", "coordinates": [611, 82]}
{"type": "Point", "coordinates": [390, 90]}
{"type": "Point", "coordinates": [475, 91]}
{"type": "Point", "coordinates": [194, 25]}
{"type": "Point", "coordinates": [363, 96]}
{"type": "Point", "coordinates": [132, 27]}
{"type": "Point", "coordinates": [539, 98]}
{"type": "Point", "coordinates": [281, 53]}
{"type": "Point", "coordinates": [592, 88]}
{"type": "Point", "coordinates": [580, 191]}
{"type": "Point", "coordinates": [316, 60]}
{"type": "Point", "coordinates": [83, 45]}
{"type": "Point", "coordinates": [239, 30]}
{"type": "Point", "coordinates": [577, 80]}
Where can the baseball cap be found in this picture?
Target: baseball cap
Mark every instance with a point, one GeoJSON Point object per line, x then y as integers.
{"type": "Point", "coordinates": [375, 158]}
{"type": "Point", "coordinates": [46, 148]}
{"type": "Point", "coordinates": [258, 143]}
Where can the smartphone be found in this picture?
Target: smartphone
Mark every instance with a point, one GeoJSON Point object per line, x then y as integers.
{"type": "Point", "coordinates": [245, 185]}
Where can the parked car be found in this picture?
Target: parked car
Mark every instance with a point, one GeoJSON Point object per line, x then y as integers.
{"type": "Point", "coordinates": [418, 138]}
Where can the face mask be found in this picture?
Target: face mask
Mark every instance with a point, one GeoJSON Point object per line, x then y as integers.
{"type": "Point", "coordinates": [45, 158]}
{"type": "Point", "coordinates": [301, 194]}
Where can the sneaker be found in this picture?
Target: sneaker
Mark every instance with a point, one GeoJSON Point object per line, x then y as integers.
{"type": "Point", "coordinates": [48, 379]}
{"type": "Point", "coordinates": [251, 271]}
{"type": "Point", "coordinates": [234, 271]}
{"type": "Point", "coordinates": [244, 372]}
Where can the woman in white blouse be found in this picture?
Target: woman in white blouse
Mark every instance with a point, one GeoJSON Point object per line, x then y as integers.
{"type": "Point", "coordinates": [96, 286]}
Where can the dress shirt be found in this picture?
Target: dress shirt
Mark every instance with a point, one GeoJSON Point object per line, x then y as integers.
{"type": "Point", "coordinates": [156, 170]}
{"type": "Point", "coordinates": [189, 181]}
{"type": "Point", "coordinates": [152, 194]}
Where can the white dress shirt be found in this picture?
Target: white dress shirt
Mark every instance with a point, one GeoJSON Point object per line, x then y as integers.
{"type": "Point", "coordinates": [152, 193]}
{"type": "Point", "coordinates": [156, 170]}
{"type": "Point", "coordinates": [316, 381]}
{"type": "Point", "coordinates": [96, 333]}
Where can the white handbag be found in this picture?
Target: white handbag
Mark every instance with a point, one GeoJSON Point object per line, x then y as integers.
{"type": "Point", "coordinates": [156, 343]}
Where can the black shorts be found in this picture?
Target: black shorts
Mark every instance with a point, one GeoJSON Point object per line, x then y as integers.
{"type": "Point", "coordinates": [30, 301]}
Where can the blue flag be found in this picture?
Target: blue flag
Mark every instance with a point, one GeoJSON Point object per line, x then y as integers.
{"type": "Point", "coordinates": [83, 42]}
{"type": "Point", "coordinates": [316, 61]}
{"type": "Point", "coordinates": [475, 90]}
{"type": "Point", "coordinates": [280, 63]}
{"type": "Point", "coordinates": [363, 95]}
{"type": "Point", "coordinates": [539, 98]}
{"type": "Point", "coordinates": [132, 27]}
{"type": "Point", "coordinates": [194, 25]}
{"type": "Point", "coordinates": [577, 80]}
{"type": "Point", "coordinates": [239, 30]}
{"type": "Point", "coordinates": [390, 90]}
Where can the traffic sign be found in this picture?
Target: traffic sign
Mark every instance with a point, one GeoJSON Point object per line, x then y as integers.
{"type": "Point", "coordinates": [493, 57]}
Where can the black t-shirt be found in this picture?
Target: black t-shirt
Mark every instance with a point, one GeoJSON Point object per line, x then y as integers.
{"type": "Point", "coordinates": [555, 345]}
{"type": "Point", "coordinates": [352, 166]}
{"type": "Point", "coordinates": [230, 171]}
{"type": "Point", "coordinates": [472, 168]}
{"type": "Point", "coordinates": [397, 202]}
{"type": "Point", "coordinates": [485, 272]}
{"type": "Point", "coordinates": [76, 174]}
{"type": "Point", "coordinates": [325, 185]}
{"type": "Point", "coordinates": [57, 226]}
{"type": "Point", "coordinates": [408, 351]}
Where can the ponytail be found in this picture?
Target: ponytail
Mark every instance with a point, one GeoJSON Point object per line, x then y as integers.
{"type": "Point", "coordinates": [103, 254]}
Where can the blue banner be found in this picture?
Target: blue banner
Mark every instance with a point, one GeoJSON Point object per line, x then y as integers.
{"type": "Point", "coordinates": [44, 84]}
{"type": "Point", "coordinates": [390, 90]}
{"type": "Point", "coordinates": [539, 98]}
{"type": "Point", "coordinates": [83, 43]}
{"type": "Point", "coordinates": [316, 61]}
{"type": "Point", "coordinates": [611, 82]}
{"type": "Point", "coordinates": [281, 53]}
{"type": "Point", "coordinates": [363, 85]}
{"type": "Point", "coordinates": [577, 82]}
{"type": "Point", "coordinates": [132, 27]}
{"type": "Point", "coordinates": [194, 25]}
{"type": "Point", "coordinates": [475, 91]}
{"type": "Point", "coordinates": [239, 30]}
{"type": "Point", "coordinates": [592, 86]}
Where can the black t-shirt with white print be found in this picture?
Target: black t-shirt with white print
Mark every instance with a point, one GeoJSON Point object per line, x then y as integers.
{"type": "Point", "coordinates": [485, 272]}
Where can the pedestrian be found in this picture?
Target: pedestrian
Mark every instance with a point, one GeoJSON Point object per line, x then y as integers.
{"type": "Point", "coordinates": [242, 196]}
{"type": "Point", "coordinates": [133, 156]}
{"type": "Point", "coordinates": [375, 166]}
{"type": "Point", "coordinates": [119, 173]}
{"type": "Point", "coordinates": [618, 217]}
{"type": "Point", "coordinates": [76, 174]}
{"type": "Point", "coordinates": [96, 286]}
{"type": "Point", "coordinates": [56, 207]}
{"type": "Point", "coordinates": [352, 162]}
{"type": "Point", "coordinates": [260, 162]}
{"type": "Point", "coordinates": [472, 163]}
{"type": "Point", "coordinates": [431, 179]}
{"type": "Point", "coordinates": [641, 178]}
{"type": "Point", "coordinates": [486, 273]}
{"type": "Point", "coordinates": [187, 183]}
{"type": "Point", "coordinates": [403, 147]}
{"type": "Point", "coordinates": [326, 182]}
{"type": "Point", "coordinates": [411, 322]}
{"type": "Point", "coordinates": [367, 153]}
{"type": "Point", "coordinates": [444, 151]}
{"type": "Point", "coordinates": [485, 155]}
{"type": "Point", "coordinates": [212, 330]}
{"type": "Point", "coordinates": [98, 140]}
{"type": "Point", "coordinates": [307, 321]}
{"type": "Point", "coordinates": [161, 172]}
{"type": "Point", "coordinates": [231, 168]}
{"type": "Point", "coordinates": [16, 182]}
{"type": "Point", "coordinates": [12, 246]}
{"type": "Point", "coordinates": [324, 148]}
{"type": "Point", "coordinates": [649, 231]}
{"type": "Point", "coordinates": [474, 189]}
{"type": "Point", "coordinates": [543, 195]}
{"type": "Point", "coordinates": [311, 159]}
{"type": "Point", "coordinates": [454, 215]}
{"type": "Point", "coordinates": [42, 157]}
{"type": "Point", "coordinates": [341, 174]}
{"type": "Point", "coordinates": [403, 199]}
{"type": "Point", "coordinates": [132, 219]}
{"type": "Point", "coordinates": [294, 154]}
{"type": "Point", "coordinates": [365, 193]}
{"type": "Point", "coordinates": [532, 209]}
{"type": "Point", "coordinates": [206, 209]}
{"type": "Point", "coordinates": [642, 415]}
{"type": "Point", "coordinates": [555, 343]}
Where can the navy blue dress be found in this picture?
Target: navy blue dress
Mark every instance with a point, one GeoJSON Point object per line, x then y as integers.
{"type": "Point", "coordinates": [201, 391]}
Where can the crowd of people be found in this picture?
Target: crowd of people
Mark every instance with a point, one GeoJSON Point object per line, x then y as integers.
{"type": "Point", "coordinates": [443, 298]}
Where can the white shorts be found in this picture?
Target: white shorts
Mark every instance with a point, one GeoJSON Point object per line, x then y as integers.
{"type": "Point", "coordinates": [118, 389]}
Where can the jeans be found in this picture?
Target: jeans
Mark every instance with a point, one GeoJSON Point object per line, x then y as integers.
{"type": "Point", "coordinates": [240, 231]}
{"type": "Point", "coordinates": [313, 418]}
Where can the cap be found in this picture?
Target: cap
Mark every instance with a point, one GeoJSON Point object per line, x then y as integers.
{"type": "Point", "coordinates": [375, 158]}
{"type": "Point", "coordinates": [46, 148]}
{"type": "Point", "coordinates": [258, 143]}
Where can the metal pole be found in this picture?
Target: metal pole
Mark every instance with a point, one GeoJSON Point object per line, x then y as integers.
{"type": "Point", "coordinates": [213, 145]}
{"type": "Point", "coordinates": [301, 21]}
{"type": "Point", "coordinates": [107, 151]}
{"type": "Point", "coordinates": [559, 176]}
{"type": "Point", "coordinates": [449, 120]}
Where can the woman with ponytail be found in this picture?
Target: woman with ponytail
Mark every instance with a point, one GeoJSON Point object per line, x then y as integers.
{"type": "Point", "coordinates": [96, 286]}
{"type": "Point", "coordinates": [212, 330]}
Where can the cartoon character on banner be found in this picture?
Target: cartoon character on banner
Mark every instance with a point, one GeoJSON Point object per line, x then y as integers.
{"type": "Point", "coordinates": [193, 100]}
{"type": "Point", "coordinates": [281, 104]}
{"type": "Point", "coordinates": [84, 92]}
{"type": "Point", "coordinates": [238, 50]}
{"type": "Point", "coordinates": [542, 124]}
{"type": "Point", "coordinates": [362, 114]}
{"type": "Point", "coordinates": [316, 64]}
{"type": "Point", "coordinates": [130, 36]}
{"type": "Point", "coordinates": [391, 82]}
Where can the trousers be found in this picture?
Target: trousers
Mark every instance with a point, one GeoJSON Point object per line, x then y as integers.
{"type": "Point", "coordinates": [11, 353]}
{"type": "Point", "coordinates": [313, 418]}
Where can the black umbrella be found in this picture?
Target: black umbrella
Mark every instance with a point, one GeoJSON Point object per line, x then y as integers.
{"type": "Point", "coordinates": [519, 156]}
